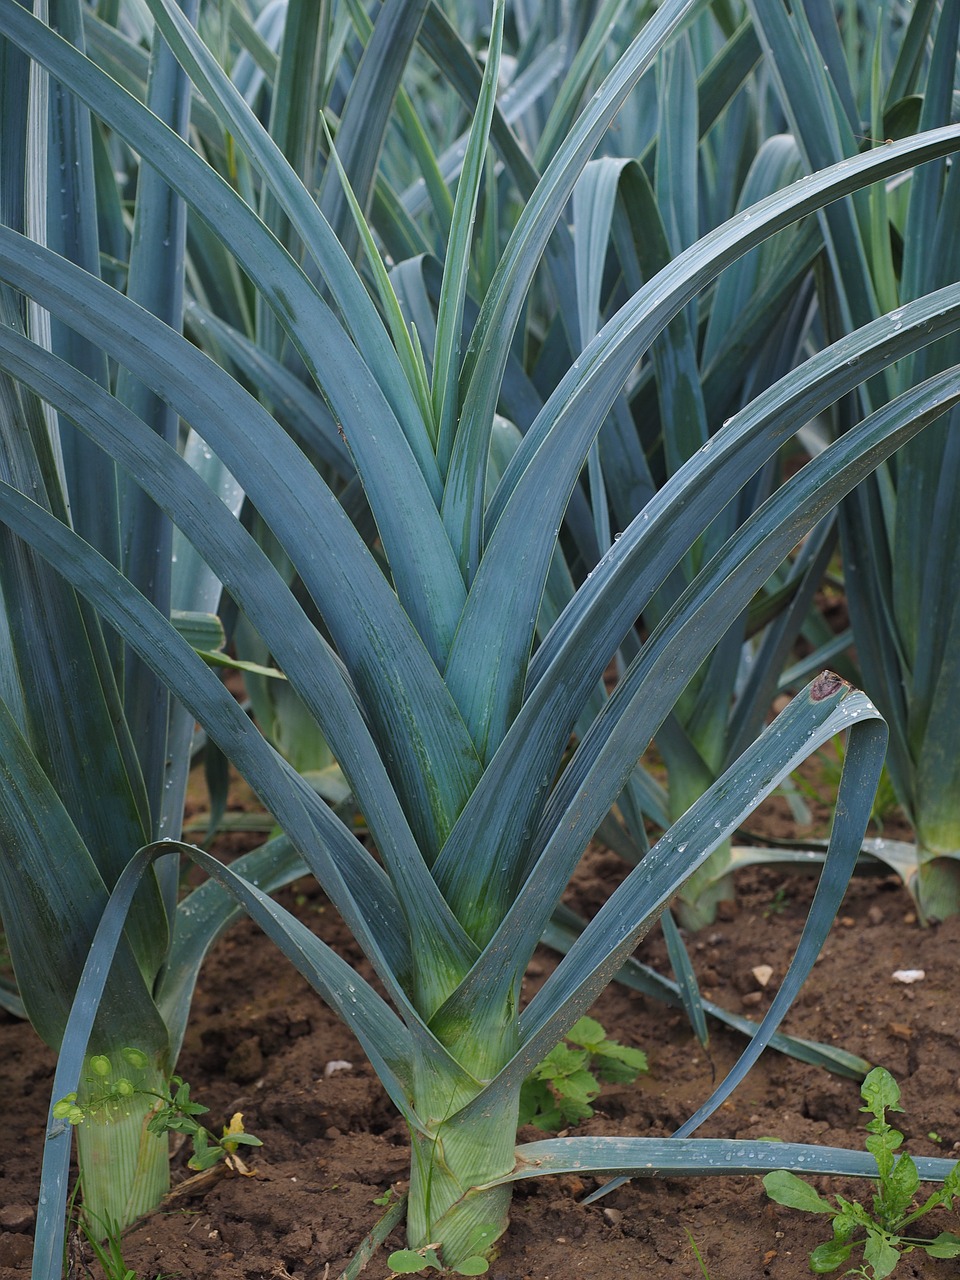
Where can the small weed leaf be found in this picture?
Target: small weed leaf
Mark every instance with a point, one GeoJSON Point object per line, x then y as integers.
{"type": "Point", "coordinates": [848, 1219]}
{"type": "Point", "coordinates": [406, 1262]}
{"type": "Point", "coordinates": [881, 1252]}
{"type": "Point", "coordinates": [777, 904]}
{"type": "Point", "coordinates": [903, 1184]}
{"type": "Point", "coordinates": [828, 1257]}
{"type": "Point", "coordinates": [234, 1134]}
{"type": "Point", "coordinates": [587, 1032]}
{"type": "Point", "coordinates": [880, 1092]}
{"type": "Point", "coordinates": [696, 1253]}
{"type": "Point", "coordinates": [614, 1062]}
{"type": "Point", "coordinates": [204, 1156]}
{"type": "Point", "coordinates": [945, 1245]}
{"type": "Point", "coordinates": [473, 1267]}
{"type": "Point", "coordinates": [619, 1063]}
{"type": "Point", "coordinates": [789, 1190]}
{"type": "Point", "coordinates": [560, 1090]}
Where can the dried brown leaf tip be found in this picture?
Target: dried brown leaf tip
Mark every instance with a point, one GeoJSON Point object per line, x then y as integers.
{"type": "Point", "coordinates": [826, 685]}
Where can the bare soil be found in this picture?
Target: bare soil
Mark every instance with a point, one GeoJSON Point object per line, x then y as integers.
{"type": "Point", "coordinates": [261, 1042]}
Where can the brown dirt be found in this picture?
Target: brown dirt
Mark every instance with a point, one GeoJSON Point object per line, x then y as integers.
{"type": "Point", "coordinates": [260, 1041]}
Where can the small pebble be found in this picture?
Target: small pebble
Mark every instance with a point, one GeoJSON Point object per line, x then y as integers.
{"type": "Point", "coordinates": [613, 1216]}
{"type": "Point", "coordinates": [763, 973]}
{"type": "Point", "coordinates": [17, 1217]}
{"type": "Point", "coordinates": [900, 1030]}
{"type": "Point", "coordinates": [875, 915]}
{"type": "Point", "coordinates": [909, 975]}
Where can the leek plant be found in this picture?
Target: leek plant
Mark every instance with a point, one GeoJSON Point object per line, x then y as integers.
{"type": "Point", "coordinates": [698, 129]}
{"type": "Point", "coordinates": [93, 753]}
{"type": "Point", "coordinates": [648, 212]}
{"type": "Point", "coordinates": [417, 651]}
{"type": "Point", "coordinates": [899, 531]}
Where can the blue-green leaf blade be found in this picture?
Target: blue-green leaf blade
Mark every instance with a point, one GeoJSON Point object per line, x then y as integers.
{"type": "Point", "coordinates": [52, 896]}
{"type": "Point", "coordinates": [434, 755]}
{"type": "Point", "coordinates": [700, 1157]}
{"type": "Point", "coordinates": [650, 686]}
{"type": "Point", "coordinates": [493, 335]}
{"type": "Point", "coordinates": [488, 663]}
{"type": "Point", "coordinates": [258, 588]}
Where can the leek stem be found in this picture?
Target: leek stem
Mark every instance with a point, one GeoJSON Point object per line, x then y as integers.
{"type": "Point", "coordinates": [124, 1169]}
{"type": "Point", "coordinates": [711, 884]}
{"type": "Point", "coordinates": [454, 1156]}
{"type": "Point", "coordinates": [442, 1207]}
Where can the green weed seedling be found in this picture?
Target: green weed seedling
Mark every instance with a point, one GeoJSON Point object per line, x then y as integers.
{"type": "Point", "coordinates": [103, 1238]}
{"type": "Point", "coordinates": [696, 1253]}
{"type": "Point", "coordinates": [878, 1234]}
{"type": "Point", "coordinates": [175, 1111]}
{"type": "Point", "coordinates": [777, 904]}
{"type": "Point", "coordinates": [559, 1092]}
{"type": "Point", "coordinates": [109, 1253]}
{"type": "Point", "coordinates": [405, 1262]}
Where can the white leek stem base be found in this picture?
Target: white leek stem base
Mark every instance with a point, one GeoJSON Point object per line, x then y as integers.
{"type": "Point", "coordinates": [711, 884]}
{"type": "Point", "coordinates": [124, 1170]}
{"type": "Point", "coordinates": [936, 887]}
{"type": "Point", "coordinates": [444, 1211]}
{"type": "Point", "coordinates": [443, 1208]}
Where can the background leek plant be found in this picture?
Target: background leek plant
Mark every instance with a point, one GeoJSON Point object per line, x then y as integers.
{"type": "Point", "coordinates": [751, 327]}
{"type": "Point", "coordinates": [417, 651]}
{"type": "Point", "coordinates": [636, 216]}
{"type": "Point", "coordinates": [899, 531]}
{"type": "Point", "coordinates": [94, 753]}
